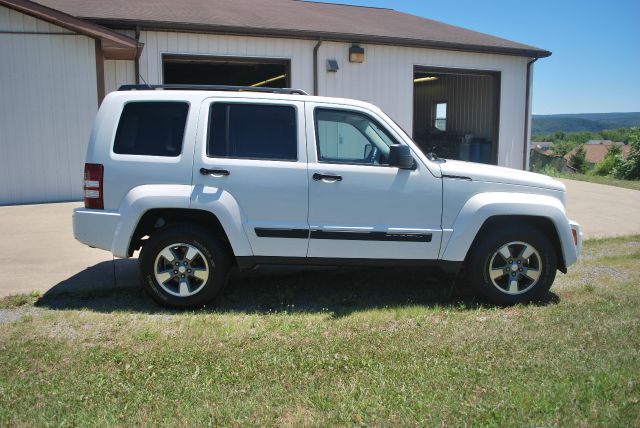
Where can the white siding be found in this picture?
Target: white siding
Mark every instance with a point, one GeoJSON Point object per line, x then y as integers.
{"type": "Point", "coordinates": [117, 73]}
{"type": "Point", "coordinates": [300, 52]}
{"type": "Point", "coordinates": [385, 78]}
{"type": "Point", "coordinates": [48, 98]}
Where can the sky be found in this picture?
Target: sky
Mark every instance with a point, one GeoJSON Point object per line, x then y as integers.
{"type": "Point", "coordinates": [595, 66]}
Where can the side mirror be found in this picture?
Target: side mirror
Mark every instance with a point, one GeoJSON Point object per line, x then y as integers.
{"type": "Point", "coordinates": [400, 156]}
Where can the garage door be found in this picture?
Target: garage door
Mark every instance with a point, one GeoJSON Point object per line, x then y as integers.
{"type": "Point", "coordinates": [47, 105]}
{"type": "Point", "coordinates": [234, 71]}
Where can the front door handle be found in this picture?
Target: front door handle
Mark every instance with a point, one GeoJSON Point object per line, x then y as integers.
{"type": "Point", "coordinates": [328, 177]}
{"type": "Point", "coordinates": [215, 172]}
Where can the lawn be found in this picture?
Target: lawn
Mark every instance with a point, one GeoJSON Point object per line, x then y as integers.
{"type": "Point", "coordinates": [345, 347]}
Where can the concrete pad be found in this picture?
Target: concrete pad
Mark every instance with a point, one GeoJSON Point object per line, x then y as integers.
{"type": "Point", "coordinates": [603, 211]}
{"type": "Point", "coordinates": [38, 245]}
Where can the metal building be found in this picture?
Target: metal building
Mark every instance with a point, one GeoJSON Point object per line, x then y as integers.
{"type": "Point", "coordinates": [463, 94]}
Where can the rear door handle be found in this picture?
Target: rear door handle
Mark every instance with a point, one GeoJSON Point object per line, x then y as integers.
{"type": "Point", "coordinates": [328, 177]}
{"type": "Point", "coordinates": [215, 172]}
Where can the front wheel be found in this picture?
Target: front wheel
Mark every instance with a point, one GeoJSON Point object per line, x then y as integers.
{"type": "Point", "coordinates": [513, 265]}
{"type": "Point", "coordinates": [183, 266]}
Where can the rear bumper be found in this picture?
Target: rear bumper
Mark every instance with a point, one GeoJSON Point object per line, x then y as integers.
{"type": "Point", "coordinates": [95, 228]}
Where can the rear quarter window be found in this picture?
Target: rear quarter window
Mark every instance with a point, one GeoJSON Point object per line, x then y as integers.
{"type": "Point", "coordinates": [151, 128]}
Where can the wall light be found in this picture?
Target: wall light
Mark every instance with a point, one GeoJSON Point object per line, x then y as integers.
{"type": "Point", "coordinates": [356, 54]}
{"type": "Point", "coordinates": [332, 65]}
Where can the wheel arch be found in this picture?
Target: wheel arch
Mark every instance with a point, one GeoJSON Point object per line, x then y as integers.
{"type": "Point", "coordinates": [159, 218]}
{"type": "Point", "coordinates": [544, 224]}
{"type": "Point", "coordinates": [486, 210]}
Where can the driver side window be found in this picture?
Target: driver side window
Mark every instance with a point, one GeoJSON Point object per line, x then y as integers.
{"type": "Point", "coordinates": [349, 137]}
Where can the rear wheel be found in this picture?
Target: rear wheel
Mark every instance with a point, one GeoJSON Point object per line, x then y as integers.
{"type": "Point", "coordinates": [513, 265]}
{"type": "Point", "coordinates": [184, 266]}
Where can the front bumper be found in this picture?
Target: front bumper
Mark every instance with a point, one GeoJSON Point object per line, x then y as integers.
{"type": "Point", "coordinates": [577, 236]}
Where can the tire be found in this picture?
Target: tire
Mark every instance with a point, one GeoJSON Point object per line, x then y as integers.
{"type": "Point", "coordinates": [527, 278]}
{"type": "Point", "coordinates": [201, 273]}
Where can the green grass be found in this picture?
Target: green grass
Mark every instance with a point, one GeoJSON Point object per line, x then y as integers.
{"type": "Point", "coordinates": [19, 300]}
{"type": "Point", "coordinates": [609, 181]}
{"type": "Point", "coordinates": [346, 347]}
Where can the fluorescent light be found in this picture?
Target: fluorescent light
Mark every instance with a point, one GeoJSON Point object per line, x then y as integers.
{"type": "Point", "coordinates": [425, 79]}
{"type": "Point", "coordinates": [273, 79]}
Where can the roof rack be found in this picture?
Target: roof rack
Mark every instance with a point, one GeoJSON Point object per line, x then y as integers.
{"type": "Point", "coordinates": [287, 91]}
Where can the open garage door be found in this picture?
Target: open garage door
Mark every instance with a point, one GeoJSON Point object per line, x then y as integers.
{"type": "Point", "coordinates": [208, 70]}
{"type": "Point", "coordinates": [456, 113]}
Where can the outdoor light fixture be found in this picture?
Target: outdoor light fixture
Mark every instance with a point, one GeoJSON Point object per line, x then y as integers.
{"type": "Point", "coordinates": [332, 65]}
{"type": "Point", "coordinates": [356, 54]}
{"type": "Point", "coordinates": [425, 79]}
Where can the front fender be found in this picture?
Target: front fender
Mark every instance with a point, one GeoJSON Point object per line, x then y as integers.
{"type": "Point", "coordinates": [482, 206]}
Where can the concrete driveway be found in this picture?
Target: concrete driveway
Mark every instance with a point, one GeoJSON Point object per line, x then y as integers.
{"type": "Point", "coordinates": [603, 211]}
{"type": "Point", "coordinates": [38, 245]}
{"type": "Point", "coordinates": [39, 249]}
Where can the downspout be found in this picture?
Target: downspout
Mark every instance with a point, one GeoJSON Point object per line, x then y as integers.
{"type": "Point", "coordinates": [315, 67]}
{"type": "Point", "coordinates": [137, 60]}
{"type": "Point", "coordinates": [525, 150]}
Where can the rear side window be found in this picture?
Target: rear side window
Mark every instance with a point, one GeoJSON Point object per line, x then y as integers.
{"type": "Point", "coordinates": [250, 131]}
{"type": "Point", "coordinates": [151, 128]}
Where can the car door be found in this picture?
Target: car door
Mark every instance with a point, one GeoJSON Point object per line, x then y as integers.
{"type": "Point", "coordinates": [359, 206]}
{"type": "Point", "coordinates": [254, 150]}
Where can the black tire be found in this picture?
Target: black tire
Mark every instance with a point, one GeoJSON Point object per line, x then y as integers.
{"type": "Point", "coordinates": [481, 259]}
{"type": "Point", "coordinates": [213, 256]}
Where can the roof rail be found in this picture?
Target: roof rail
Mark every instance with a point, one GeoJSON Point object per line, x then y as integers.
{"type": "Point", "coordinates": [287, 91]}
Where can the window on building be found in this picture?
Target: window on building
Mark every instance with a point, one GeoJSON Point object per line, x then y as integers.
{"type": "Point", "coordinates": [350, 137]}
{"type": "Point", "coordinates": [250, 131]}
{"type": "Point", "coordinates": [441, 116]}
{"type": "Point", "coordinates": [151, 128]}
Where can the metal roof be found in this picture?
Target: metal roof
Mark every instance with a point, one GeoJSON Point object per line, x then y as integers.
{"type": "Point", "coordinates": [290, 19]}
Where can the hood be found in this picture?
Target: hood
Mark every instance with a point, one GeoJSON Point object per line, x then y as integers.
{"type": "Point", "coordinates": [498, 174]}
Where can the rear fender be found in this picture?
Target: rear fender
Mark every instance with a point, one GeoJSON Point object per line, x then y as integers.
{"type": "Point", "coordinates": [147, 197]}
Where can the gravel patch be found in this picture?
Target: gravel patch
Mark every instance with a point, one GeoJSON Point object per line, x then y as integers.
{"type": "Point", "coordinates": [15, 314]}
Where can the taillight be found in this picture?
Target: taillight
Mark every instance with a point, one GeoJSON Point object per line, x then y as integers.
{"type": "Point", "coordinates": [93, 196]}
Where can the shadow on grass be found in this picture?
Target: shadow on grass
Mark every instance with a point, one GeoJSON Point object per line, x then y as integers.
{"type": "Point", "coordinates": [339, 291]}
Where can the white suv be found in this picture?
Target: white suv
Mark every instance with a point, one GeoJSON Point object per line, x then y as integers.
{"type": "Point", "coordinates": [204, 180]}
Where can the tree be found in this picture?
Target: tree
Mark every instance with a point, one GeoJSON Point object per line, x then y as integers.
{"type": "Point", "coordinates": [578, 160]}
{"type": "Point", "coordinates": [562, 147]}
{"type": "Point", "coordinates": [611, 161]}
{"type": "Point", "coordinates": [630, 168]}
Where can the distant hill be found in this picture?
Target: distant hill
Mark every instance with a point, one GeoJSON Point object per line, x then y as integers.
{"type": "Point", "coordinates": [592, 122]}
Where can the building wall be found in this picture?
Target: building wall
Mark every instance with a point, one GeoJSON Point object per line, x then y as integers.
{"type": "Point", "coordinates": [47, 105]}
{"type": "Point", "coordinates": [385, 78]}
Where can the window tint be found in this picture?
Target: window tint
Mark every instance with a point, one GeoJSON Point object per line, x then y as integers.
{"type": "Point", "coordinates": [349, 137]}
{"type": "Point", "coordinates": [151, 128]}
{"type": "Point", "coordinates": [252, 131]}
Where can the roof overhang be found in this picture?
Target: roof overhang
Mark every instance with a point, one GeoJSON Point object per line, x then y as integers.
{"type": "Point", "coordinates": [114, 45]}
{"type": "Point", "coordinates": [315, 35]}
